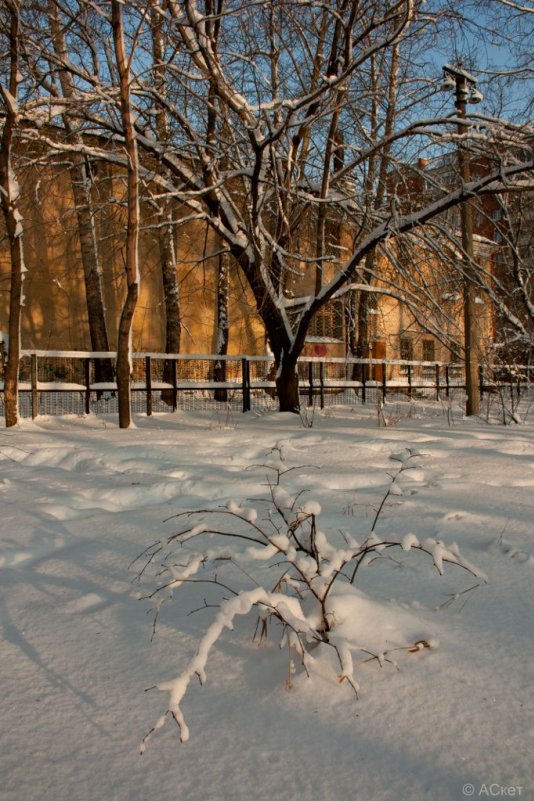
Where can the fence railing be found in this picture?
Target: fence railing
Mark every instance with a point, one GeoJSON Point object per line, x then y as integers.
{"type": "Point", "coordinates": [64, 382]}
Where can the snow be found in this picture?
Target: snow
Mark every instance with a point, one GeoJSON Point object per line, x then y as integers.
{"type": "Point", "coordinates": [10, 101]}
{"type": "Point", "coordinates": [81, 499]}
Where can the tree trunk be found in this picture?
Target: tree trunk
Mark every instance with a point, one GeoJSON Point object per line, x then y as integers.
{"type": "Point", "coordinates": [11, 374]}
{"type": "Point", "coordinates": [173, 324]}
{"type": "Point", "coordinates": [287, 385]}
{"type": "Point", "coordinates": [124, 364]}
{"type": "Point", "coordinates": [362, 343]}
{"type": "Point", "coordinates": [91, 268]}
{"type": "Point", "coordinates": [81, 191]}
{"type": "Point", "coordinates": [124, 344]}
{"type": "Point", "coordinates": [171, 296]}
{"type": "Point", "coordinates": [222, 331]}
{"type": "Point", "coordinates": [285, 347]}
{"type": "Point", "coordinates": [9, 195]}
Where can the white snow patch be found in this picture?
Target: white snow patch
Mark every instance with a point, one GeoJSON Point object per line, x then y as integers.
{"type": "Point", "coordinates": [81, 500]}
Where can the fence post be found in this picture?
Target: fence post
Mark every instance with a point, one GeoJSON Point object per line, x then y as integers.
{"type": "Point", "coordinates": [447, 382]}
{"type": "Point", "coordinates": [481, 379]}
{"type": "Point", "coordinates": [245, 377]}
{"type": "Point", "coordinates": [174, 378]}
{"type": "Point", "coordinates": [310, 383]}
{"type": "Point", "coordinates": [321, 383]}
{"type": "Point", "coordinates": [148, 376]}
{"type": "Point", "coordinates": [363, 374]}
{"type": "Point", "coordinates": [33, 379]}
{"type": "Point", "coordinates": [410, 381]}
{"type": "Point", "coordinates": [512, 390]}
{"type": "Point", "coordinates": [437, 382]}
{"type": "Point", "coordinates": [384, 387]}
{"type": "Point", "coordinates": [87, 374]}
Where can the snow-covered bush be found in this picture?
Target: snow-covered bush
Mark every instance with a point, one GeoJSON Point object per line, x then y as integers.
{"type": "Point", "coordinates": [313, 597]}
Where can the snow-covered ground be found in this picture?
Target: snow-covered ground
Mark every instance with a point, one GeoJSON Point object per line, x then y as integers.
{"type": "Point", "coordinates": [80, 499]}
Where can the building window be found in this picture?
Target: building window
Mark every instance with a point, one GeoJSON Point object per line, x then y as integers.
{"type": "Point", "coordinates": [406, 353]}
{"type": "Point", "coordinates": [429, 350]}
{"type": "Point", "coordinates": [429, 355]}
{"type": "Point", "coordinates": [328, 322]}
{"type": "Point", "coordinates": [406, 349]}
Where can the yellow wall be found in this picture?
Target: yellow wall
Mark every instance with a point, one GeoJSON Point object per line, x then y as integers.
{"type": "Point", "coordinates": [55, 314]}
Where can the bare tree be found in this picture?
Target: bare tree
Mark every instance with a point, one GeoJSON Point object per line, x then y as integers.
{"type": "Point", "coordinates": [9, 199]}
{"type": "Point", "coordinates": [304, 74]}
{"type": "Point", "coordinates": [280, 116]}
{"type": "Point", "coordinates": [81, 182]}
{"type": "Point", "coordinates": [166, 227]}
{"type": "Point", "coordinates": [131, 258]}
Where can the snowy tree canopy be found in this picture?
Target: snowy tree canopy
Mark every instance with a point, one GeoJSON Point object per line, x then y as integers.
{"type": "Point", "coordinates": [280, 124]}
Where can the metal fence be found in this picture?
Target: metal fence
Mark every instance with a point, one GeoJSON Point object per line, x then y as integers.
{"type": "Point", "coordinates": [64, 382]}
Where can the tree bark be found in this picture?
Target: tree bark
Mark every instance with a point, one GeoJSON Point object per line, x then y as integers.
{"type": "Point", "coordinates": [287, 385]}
{"type": "Point", "coordinates": [81, 190]}
{"type": "Point", "coordinates": [9, 195]}
{"type": "Point", "coordinates": [222, 329]}
{"type": "Point", "coordinates": [131, 267]}
{"type": "Point", "coordinates": [167, 250]}
{"type": "Point", "coordinates": [171, 297]}
{"type": "Point", "coordinates": [96, 314]}
{"type": "Point", "coordinates": [11, 374]}
{"type": "Point", "coordinates": [173, 325]}
{"type": "Point", "coordinates": [362, 344]}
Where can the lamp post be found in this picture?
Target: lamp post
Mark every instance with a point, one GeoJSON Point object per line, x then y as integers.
{"type": "Point", "coordinates": [464, 87]}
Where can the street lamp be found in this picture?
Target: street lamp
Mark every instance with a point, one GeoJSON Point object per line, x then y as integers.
{"type": "Point", "coordinates": [463, 85]}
